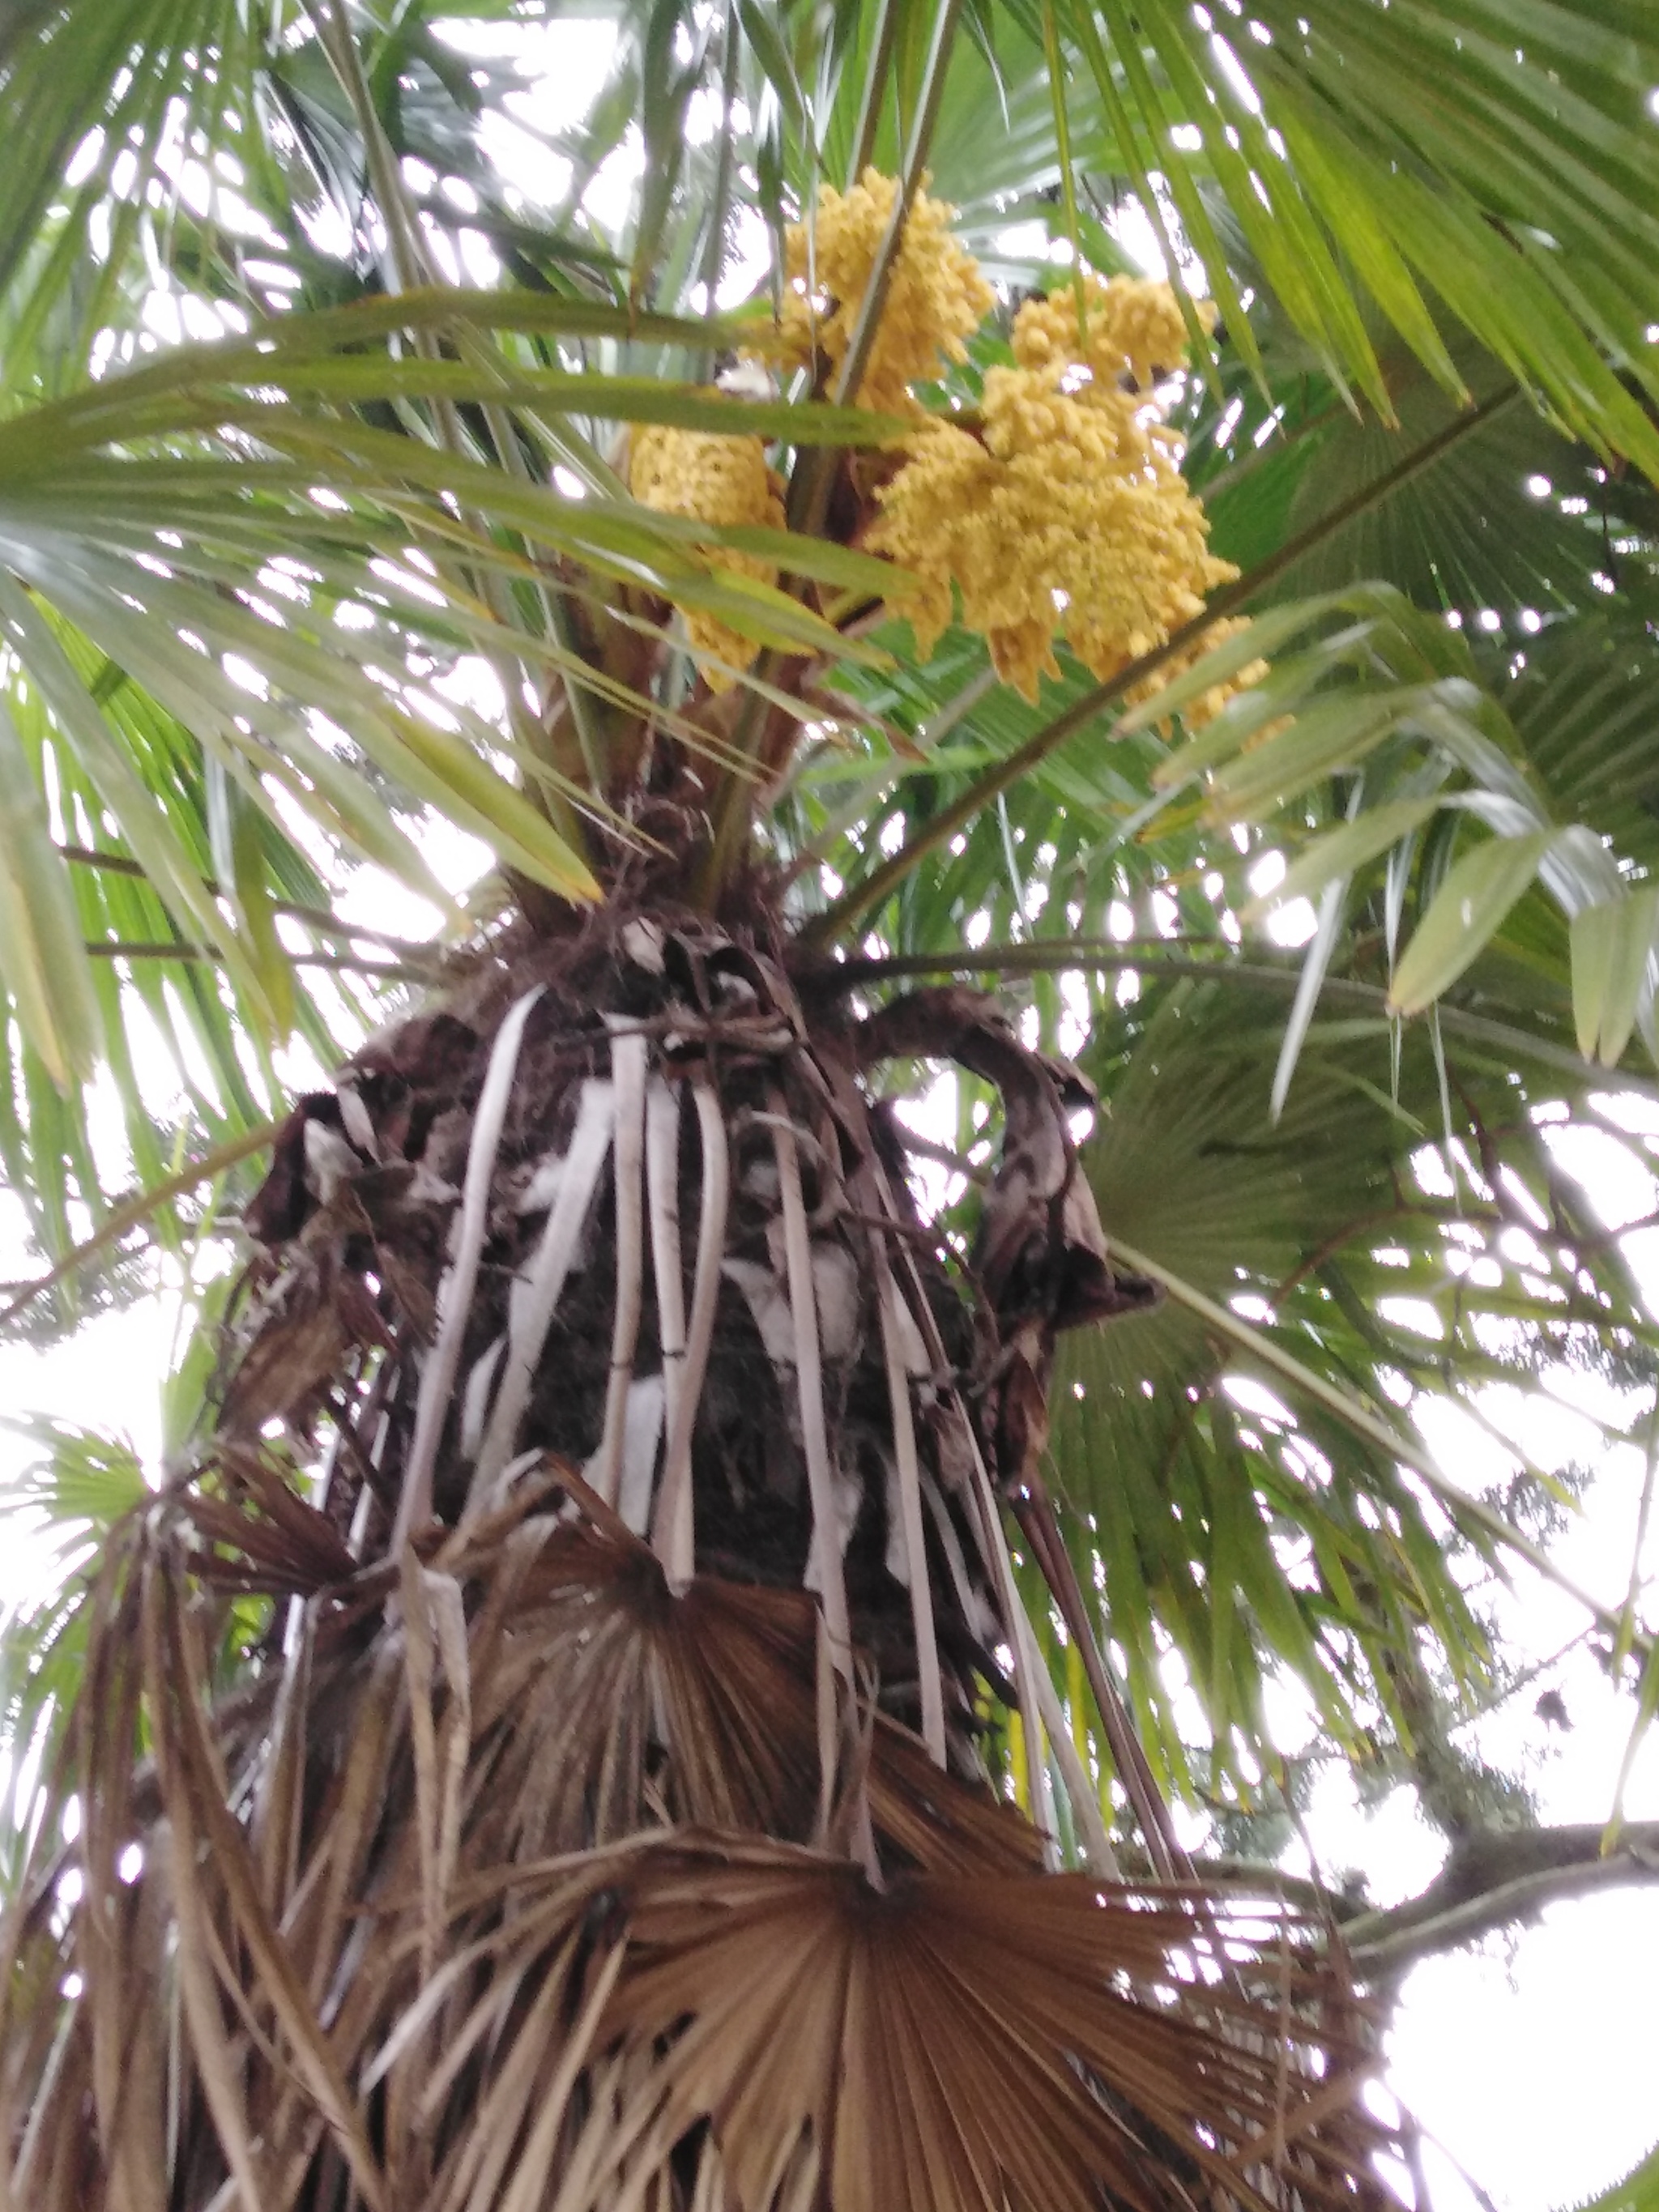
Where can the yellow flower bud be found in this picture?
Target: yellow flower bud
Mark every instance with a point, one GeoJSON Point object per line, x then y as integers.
{"type": "Point", "coordinates": [717, 479]}
{"type": "Point", "coordinates": [935, 293]}
{"type": "Point", "coordinates": [1064, 512]}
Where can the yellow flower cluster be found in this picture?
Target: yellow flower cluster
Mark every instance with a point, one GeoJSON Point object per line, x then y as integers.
{"type": "Point", "coordinates": [1132, 327]}
{"type": "Point", "coordinates": [1062, 513]}
{"type": "Point", "coordinates": [715, 479]}
{"type": "Point", "coordinates": [935, 293]}
{"type": "Point", "coordinates": [1067, 514]}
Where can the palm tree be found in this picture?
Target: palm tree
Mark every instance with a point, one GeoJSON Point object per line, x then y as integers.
{"type": "Point", "coordinates": [677, 1657]}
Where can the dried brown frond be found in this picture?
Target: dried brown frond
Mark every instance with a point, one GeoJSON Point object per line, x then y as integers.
{"type": "Point", "coordinates": [626, 1198]}
{"type": "Point", "coordinates": [550, 1216]}
{"type": "Point", "coordinates": [961, 2041]}
{"type": "Point", "coordinates": [445, 1922]}
{"type": "Point", "coordinates": [527, 1688]}
{"type": "Point", "coordinates": [536, 1820]}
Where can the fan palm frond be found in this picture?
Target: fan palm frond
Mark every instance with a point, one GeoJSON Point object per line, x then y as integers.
{"type": "Point", "coordinates": [688, 2002]}
{"type": "Point", "coordinates": [1249, 1537]}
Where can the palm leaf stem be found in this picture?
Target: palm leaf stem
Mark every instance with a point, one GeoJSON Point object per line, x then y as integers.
{"type": "Point", "coordinates": [576, 699]}
{"type": "Point", "coordinates": [809, 490]}
{"type": "Point", "coordinates": [135, 1210]}
{"type": "Point", "coordinates": [714, 259]}
{"type": "Point", "coordinates": [1621, 1643]}
{"type": "Point", "coordinates": [1533, 1467]}
{"type": "Point", "coordinates": [932, 94]}
{"type": "Point", "coordinates": [1378, 1219]}
{"type": "Point", "coordinates": [404, 251]}
{"type": "Point", "coordinates": [162, 948]}
{"type": "Point", "coordinates": [1058, 74]}
{"type": "Point", "coordinates": [1035, 1514]}
{"type": "Point", "coordinates": [929, 1148]}
{"type": "Point", "coordinates": [874, 789]}
{"type": "Point", "coordinates": [1057, 955]}
{"type": "Point", "coordinates": [1270, 449]}
{"type": "Point", "coordinates": [809, 486]}
{"type": "Point", "coordinates": [875, 90]}
{"type": "Point", "coordinates": [1045, 954]}
{"type": "Point", "coordinates": [313, 917]}
{"type": "Point", "coordinates": [1386, 1942]}
{"type": "Point", "coordinates": [1469, 1512]}
{"type": "Point", "coordinates": [412, 272]}
{"type": "Point", "coordinates": [863, 897]}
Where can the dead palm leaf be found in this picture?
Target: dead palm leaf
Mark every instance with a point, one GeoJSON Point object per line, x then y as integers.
{"type": "Point", "coordinates": [260, 1987]}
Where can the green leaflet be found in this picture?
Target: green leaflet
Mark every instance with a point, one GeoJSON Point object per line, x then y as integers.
{"type": "Point", "coordinates": [1611, 947]}
{"type": "Point", "coordinates": [1343, 852]}
{"type": "Point", "coordinates": [438, 307]}
{"type": "Point", "coordinates": [1266, 635]}
{"type": "Point", "coordinates": [203, 699]}
{"type": "Point", "coordinates": [82, 1477]}
{"type": "Point", "coordinates": [106, 763]}
{"type": "Point", "coordinates": [42, 961]}
{"type": "Point", "coordinates": [458, 779]}
{"type": "Point", "coordinates": [380, 376]}
{"type": "Point", "coordinates": [1336, 731]}
{"type": "Point", "coordinates": [1468, 907]}
{"type": "Point", "coordinates": [259, 918]}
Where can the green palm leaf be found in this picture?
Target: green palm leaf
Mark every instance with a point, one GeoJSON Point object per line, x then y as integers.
{"type": "Point", "coordinates": [1508, 181]}
{"type": "Point", "coordinates": [1265, 1543]}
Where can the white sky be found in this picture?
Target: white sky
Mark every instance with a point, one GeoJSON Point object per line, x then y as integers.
{"type": "Point", "coordinates": [1531, 2060]}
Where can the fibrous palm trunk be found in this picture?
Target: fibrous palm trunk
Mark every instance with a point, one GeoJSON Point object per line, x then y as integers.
{"type": "Point", "coordinates": [603, 1821]}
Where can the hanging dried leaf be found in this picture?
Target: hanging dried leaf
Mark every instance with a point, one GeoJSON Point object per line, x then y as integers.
{"type": "Point", "coordinates": [532, 1862]}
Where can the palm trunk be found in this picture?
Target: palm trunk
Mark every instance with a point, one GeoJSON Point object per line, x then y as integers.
{"type": "Point", "coordinates": [606, 1819]}
{"type": "Point", "coordinates": [620, 1209]}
